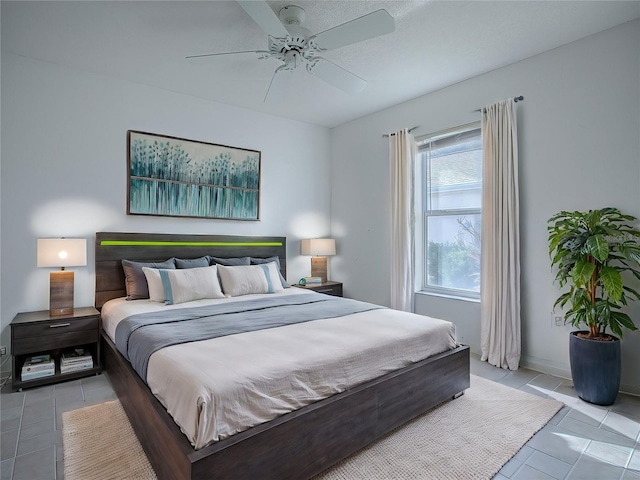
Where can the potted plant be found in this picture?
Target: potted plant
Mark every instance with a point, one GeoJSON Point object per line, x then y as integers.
{"type": "Point", "coordinates": [597, 253]}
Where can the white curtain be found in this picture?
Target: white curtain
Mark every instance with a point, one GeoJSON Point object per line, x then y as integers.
{"type": "Point", "coordinates": [500, 287]}
{"type": "Point", "coordinates": [402, 150]}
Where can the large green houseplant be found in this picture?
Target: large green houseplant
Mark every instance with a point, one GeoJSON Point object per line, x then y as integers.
{"type": "Point", "coordinates": [597, 255]}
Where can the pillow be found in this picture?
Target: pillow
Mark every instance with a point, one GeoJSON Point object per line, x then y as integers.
{"type": "Point", "coordinates": [154, 283]}
{"type": "Point", "coordinates": [260, 261]}
{"type": "Point", "coordinates": [192, 262]}
{"type": "Point", "coordinates": [134, 279]}
{"type": "Point", "coordinates": [243, 280]}
{"type": "Point", "coordinates": [190, 284]}
{"type": "Point", "coordinates": [230, 262]}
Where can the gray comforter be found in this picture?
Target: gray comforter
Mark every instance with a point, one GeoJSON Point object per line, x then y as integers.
{"type": "Point", "coordinates": [139, 336]}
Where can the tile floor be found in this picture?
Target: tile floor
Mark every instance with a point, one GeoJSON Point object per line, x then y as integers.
{"type": "Point", "coordinates": [31, 425]}
{"type": "Point", "coordinates": [581, 442]}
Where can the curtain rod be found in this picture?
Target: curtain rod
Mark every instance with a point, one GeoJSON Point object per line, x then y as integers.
{"type": "Point", "coordinates": [516, 99]}
{"type": "Point", "coordinates": [385, 135]}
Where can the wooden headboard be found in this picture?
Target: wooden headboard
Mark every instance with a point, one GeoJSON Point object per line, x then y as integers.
{"type": "Point", "coordinates": [113, 247]}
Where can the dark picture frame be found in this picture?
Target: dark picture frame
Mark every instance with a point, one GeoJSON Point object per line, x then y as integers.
{"type": "Point", "coordinates": [178, 177]}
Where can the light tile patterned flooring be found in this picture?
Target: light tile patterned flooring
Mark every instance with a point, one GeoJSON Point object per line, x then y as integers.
{"type": "Point", "coordinates": [581, 442]}
{"type": "Point", "coordinates": [31, 425]}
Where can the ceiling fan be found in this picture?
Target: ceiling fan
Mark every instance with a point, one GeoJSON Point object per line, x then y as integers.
{"type": "Point", "coordinates": [295, 45]}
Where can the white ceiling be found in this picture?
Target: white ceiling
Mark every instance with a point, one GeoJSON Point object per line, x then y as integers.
{"type": "Point", "coordinates": [435, 44]}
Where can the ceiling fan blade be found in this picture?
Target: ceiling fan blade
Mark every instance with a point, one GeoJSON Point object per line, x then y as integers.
{"type": "Point", "coordinates": [336, 76]}
{"type": "Point", "coordinates": [266, 19]}
{"type": "Point", "coordinates": [210, 57]}
{"type": "Point", "coordinates": [279, 86]}
{"type": "Point", "coordinates": [362, 28]}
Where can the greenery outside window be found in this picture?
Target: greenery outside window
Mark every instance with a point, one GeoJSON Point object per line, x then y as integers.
{"type": "Point", "coordinates": [452, 200]}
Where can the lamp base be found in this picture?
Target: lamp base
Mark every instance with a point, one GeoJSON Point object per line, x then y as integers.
{"type": "Point", "coordinates": [319, 268]}
{"type": "Point", "coordinates": [60, 293]}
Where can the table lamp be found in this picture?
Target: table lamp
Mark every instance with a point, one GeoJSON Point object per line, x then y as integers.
{"type": "Point", "coordinates": [61, 252]}
{"type": "Point", "coordinates": [319, 248]}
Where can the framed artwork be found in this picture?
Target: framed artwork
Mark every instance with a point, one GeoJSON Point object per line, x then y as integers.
{"type": "Point", "coordinates": [176, 177]}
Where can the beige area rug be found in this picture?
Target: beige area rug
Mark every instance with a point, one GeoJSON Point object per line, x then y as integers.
{"type": "Point", "coordinates": [98, 442]}
{"type": "Point", "coordinates": [471, 437]}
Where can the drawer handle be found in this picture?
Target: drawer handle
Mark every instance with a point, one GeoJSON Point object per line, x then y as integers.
{"type": "Point", "coordinates": [58, 325]}
{"type": "Point", "coordinates": [325, 290]}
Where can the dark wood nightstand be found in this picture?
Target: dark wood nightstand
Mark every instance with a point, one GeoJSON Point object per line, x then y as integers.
{"type": "Point", "coordinates": [38, 333]}
{"type": "Point", "coordinates": [328, 288]}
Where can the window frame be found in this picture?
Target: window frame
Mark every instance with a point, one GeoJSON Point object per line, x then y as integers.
{"type": "Point", "coordinates": [427, 213]}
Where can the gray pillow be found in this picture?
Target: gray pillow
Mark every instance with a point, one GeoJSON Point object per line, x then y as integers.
{"type": "Point", "coordinates": [134, 279]}
{"type": "Point", "coordinates": [192, 262]}
{"type": "Point", "coordinates": [258, 261]}
{"type": "Point", "coordinates": [230, 262]}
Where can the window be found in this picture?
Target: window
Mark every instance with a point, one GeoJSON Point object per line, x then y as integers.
{"type": "Point", "coordinates": [452, 193]}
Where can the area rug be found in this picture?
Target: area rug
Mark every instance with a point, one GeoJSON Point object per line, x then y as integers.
{"type": "Point", "coordinates": [471, 437]}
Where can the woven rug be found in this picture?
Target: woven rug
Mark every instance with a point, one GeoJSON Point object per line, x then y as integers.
{"type": "Point", "coordinates": [471, 437]}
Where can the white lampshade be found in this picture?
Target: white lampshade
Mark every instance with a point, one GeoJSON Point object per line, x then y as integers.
{"type": "Point", "coordinates": [318, 246]}
{"type": "Point", "coordinates": [62, 252]}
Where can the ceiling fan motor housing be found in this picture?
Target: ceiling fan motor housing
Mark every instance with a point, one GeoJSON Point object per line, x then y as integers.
{"type": "Point", "coordinates": [295, 48]}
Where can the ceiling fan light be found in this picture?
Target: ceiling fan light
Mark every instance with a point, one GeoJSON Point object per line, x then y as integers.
{"type": "Point", "coordinates": [293, 59]}
{"type": "Point", "coordinates": [291, 15]}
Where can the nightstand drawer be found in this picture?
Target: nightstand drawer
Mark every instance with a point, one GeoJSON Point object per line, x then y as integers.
{"type": "Point", "coordinates": [47, 342]}
{"type": "Point", "coordinates": [328, 288]}
{"type": "Point", "coordinates": [56, 327]}
{"type": "Point", "coordinates": [335, 290]}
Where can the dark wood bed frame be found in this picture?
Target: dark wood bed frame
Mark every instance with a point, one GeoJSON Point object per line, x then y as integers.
{"type": "Point", "coordinates": [297, 445]}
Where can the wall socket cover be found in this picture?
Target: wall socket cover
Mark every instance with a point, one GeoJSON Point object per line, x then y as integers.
{"type": "Point", "coordinates": [3, 350]}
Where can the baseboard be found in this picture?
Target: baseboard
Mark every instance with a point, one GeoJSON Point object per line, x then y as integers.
{"type": "Point", "coordinates": [630, 389]}
{"type": "Point", "coordinates": [544, 366]}
{"type": "Point", "coordinates": [475, 350]}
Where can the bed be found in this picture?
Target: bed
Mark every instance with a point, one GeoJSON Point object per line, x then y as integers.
{"type": "Point", "coordinates": [302, 440]}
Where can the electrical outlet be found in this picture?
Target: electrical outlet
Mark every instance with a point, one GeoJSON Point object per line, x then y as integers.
{"type": "Point", "coordinates": [557, 319]}
{"type": "Point", "coordinates": [3, 351]}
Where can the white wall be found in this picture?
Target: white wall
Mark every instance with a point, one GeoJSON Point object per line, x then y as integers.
{"type": "Point", "coordinates": [64, 173]}
{"type": "Point", "coordinates": [579, 133]}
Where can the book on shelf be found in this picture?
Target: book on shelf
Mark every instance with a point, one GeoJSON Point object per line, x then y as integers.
{"type": "Point", "coordinates": [76, 361]}
{"type": "Point", "coordinates": [39, 367]}
{"type": "Point", "coordinates": [77, 356]}
{"type": "Point", "coordinates": [30, 367]}
{"type": "Point", "coordinates": [34, 375]}
{"type": "Point", "coordinates": [76, 367]}
{"type": "Point", "coordinates": [39, 358]}
{"type": "Point", "coordinates": [42, 366]}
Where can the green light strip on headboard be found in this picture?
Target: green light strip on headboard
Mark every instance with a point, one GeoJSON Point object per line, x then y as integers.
{"type": "Point", "coordinates": [145, 243]}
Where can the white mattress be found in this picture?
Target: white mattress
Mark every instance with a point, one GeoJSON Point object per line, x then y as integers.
{"type": "Point", "coordinates": [216, 388]}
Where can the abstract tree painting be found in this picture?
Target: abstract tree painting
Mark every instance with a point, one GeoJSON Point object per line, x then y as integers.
{"type": "Point", "coordinates": [172, 176]}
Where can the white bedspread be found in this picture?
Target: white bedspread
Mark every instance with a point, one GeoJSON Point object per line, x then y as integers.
{"type": "Point", "coordinates": [216, 388]}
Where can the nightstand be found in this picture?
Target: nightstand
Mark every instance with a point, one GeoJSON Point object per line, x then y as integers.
{"type": "Point", "coordinates": [38, 333]}
{"type": "Point", "coordinates": [328, 288]}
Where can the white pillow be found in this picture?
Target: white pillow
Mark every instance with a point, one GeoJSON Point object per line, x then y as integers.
{"type": "Point", "coordinates": [243, 280]}
{"type": "Point", "coordinates": [154, 282]}
{"type": "Point", "coordinates": [190, 284]}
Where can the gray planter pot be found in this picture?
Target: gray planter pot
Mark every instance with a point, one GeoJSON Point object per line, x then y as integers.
{"type": "Point", "coordinates": [595, 368]}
